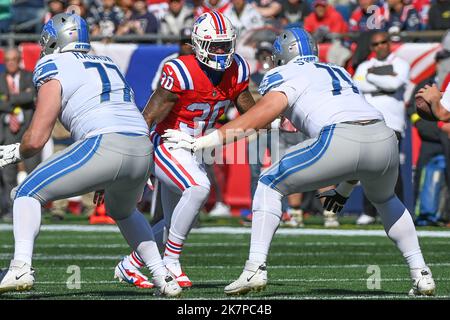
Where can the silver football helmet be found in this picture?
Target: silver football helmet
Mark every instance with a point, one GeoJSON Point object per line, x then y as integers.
{"type": "Point", "coordinates": [293, 43]}
{"type": "Point", "coordinates": [65, 32]}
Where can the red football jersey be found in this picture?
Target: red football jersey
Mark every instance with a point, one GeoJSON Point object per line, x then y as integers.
{"type": "Point", "coordinates": [200, 103]}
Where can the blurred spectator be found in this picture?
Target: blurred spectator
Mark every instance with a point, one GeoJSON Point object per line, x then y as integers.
{"type": "Point", "coordinates": [367, 16]}
{"type": "Point", "coordinates": [5, 15]}
{"type": "Point", "coordinates": [185, 49]}
{"type": "Point", "coordinates": [104, 20]}
{"type": "Point", "coordinates": [269, 9]}
{"type": "Point", "coordinates": [78, 7]}
{"type": "Point", "coordinates": [199, 7]}
{"type": "Point", "coordinates": [53, 8]}
{"type": "Point", "coordinates": [28, 16]}
{"type": "Point", "coordinates": [243, 16]}
{"type": "Point", "coordinates": [140, 22]}
{"type": "Point", "coordinates": [178, 17]}
{"type": "Point", "coordinates": [383, 79]}
{"type": "Point", "coordinates": [400, 17]}
{"type": "Point", "coordinates": [294, 12]}
{"type": "Point", "coordinates": [158, 8]}
{"type": "Point", "coordinates": [324, 20]}
{"type": "Point", "coordinates": [439, 15]}
{"type": "Point", "coordinates": [422, 7]}
{"type": "Point", "coordinates": [127, 8]}
{"type": "Point", "coordinates": [17, 96]}
{"type": "Point", "coordinates": [217, 5]}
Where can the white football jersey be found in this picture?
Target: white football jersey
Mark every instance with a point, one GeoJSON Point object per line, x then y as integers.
{"type": "Point", "coordinates": [96, 98]}
{"type": "Point", "coordinates": [319, 94]}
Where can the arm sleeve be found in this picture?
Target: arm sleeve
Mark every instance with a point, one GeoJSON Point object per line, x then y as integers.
{"type": "Point", "coordinates": [391, 83]}
{"type": "Point", "coordinates": [46, 69]}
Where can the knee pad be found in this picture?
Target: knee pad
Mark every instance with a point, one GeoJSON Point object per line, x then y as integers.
{"type": "Point", "coordinates": [267, 200]}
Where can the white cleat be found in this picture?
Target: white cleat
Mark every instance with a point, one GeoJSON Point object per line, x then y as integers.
{"type": "Point", "coordinates": [220, 210]}
{"type": "Point", "coordinates": [423, 283]}
{"type": "Point", "coordinates": [253, 278]}
{"type": "Point", "coordinates": [167, 286]}
{"type": "Point", "coordinates": [19, 277]}
{"type": "Point", "coordinates": [365, 219]}
{"type": "Point", "coordinates": [178, 274]}
{"type": "Point", "coordinates": [132, 275]}
{"type": "Point", "coordinates": [330, 219]}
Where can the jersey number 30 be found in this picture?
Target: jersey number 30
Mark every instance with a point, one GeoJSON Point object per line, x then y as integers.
{"type": "Point", "coordinates": [106, 82]}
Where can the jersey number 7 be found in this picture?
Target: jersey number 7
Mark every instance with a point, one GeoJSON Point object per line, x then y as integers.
{"type": "Point", "coordinates": [106, 83]}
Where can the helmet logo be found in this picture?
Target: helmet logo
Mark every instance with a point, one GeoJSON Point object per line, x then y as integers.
{"type": "Point", "coordinates": [200, 19]}
{"type": "Point", "coordinates": [277, 46]}
{"type": "Point", "coordinates": [50, 29]}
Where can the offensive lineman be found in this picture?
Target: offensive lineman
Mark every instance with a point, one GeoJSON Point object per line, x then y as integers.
{"type": "Point", "coordinates": [350, 141]}
{"type": "Point", "coordinates": [112, 150]}
{"type": "Point", "coordinates": [195, 90]}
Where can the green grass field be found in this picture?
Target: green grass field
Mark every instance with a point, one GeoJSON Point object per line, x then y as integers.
{"type": "Point", "coordinates": [300, 266]}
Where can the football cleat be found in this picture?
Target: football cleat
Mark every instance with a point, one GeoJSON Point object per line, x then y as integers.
{"type": "Point", "coordinates": [330, 219]}
{"type": "Point", "coordinates": [167, 286]}
{"type": "Point", "coordinates": [177, 273]}
{"type": "Point", "coordinates": [131, 275]}
{"type": "Point", "coordinates": [253, 278]}
{"type": "Point", "coordinates": [423, 283]}
{"type": "Point", "coordinates": [19, 277]}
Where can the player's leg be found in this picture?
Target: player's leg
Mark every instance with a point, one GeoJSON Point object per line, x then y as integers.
{"type": "Point", "coordinates": [310, 165]}
{"type": "Point", "coordinates": [128, 268]}
{"type": "Point", "coordinates": [183, 175]}
{"type": "Point", "coordinates": [121, 198]}
{"type": "Point", "coordinates": [28, 197]}
{"type": "Point", "coordinates": [397, 220]}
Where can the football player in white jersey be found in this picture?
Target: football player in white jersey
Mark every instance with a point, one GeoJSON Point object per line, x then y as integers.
{"type": "Point", "coordinates": [349, 142]}
{"type": "Point", "coordinates": [112, 151]}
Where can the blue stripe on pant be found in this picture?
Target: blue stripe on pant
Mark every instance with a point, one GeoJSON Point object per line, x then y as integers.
{"type": "Point", "coordinates": [298, 159]}
{"type": "Point", "coordinates": [58, 167]}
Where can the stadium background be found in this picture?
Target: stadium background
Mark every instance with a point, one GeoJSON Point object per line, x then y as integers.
{"type": "Point", "coordinates": [140, 63]}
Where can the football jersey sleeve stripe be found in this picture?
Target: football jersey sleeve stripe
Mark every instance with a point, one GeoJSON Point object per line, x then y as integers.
{"type": "Point", "coordinates": [178, 74]}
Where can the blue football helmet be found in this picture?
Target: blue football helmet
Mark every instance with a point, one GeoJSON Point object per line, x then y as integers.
{"type": "Point", "coordinates": [65, 32]}
{"type": "Point", "coordinates": [293, 43]}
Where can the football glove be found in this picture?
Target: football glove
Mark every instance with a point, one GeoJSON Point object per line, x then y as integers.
{"type": "Point", "coordinates": [333, 200]}
{"type": "Point", "coordinates": [180, 139]}
{"type": "Point", "coordinates": [9, 154]}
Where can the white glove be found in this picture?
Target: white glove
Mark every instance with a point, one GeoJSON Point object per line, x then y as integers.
{"type": "Point", "coordinates": [179, 138]}
{"type": "Point", "coordinates": [9, 154]}
{"type": "Point", "coordinates": [184, 140]}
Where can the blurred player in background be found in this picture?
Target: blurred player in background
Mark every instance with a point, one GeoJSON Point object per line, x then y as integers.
{"type": "Point", "coordinates": [112, 150]}
{"type": "Point", "coordinates": [194, 91]}
{"type": "Point", "coordinates": [350, 142]}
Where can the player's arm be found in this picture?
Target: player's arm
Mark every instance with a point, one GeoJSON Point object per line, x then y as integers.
{"type": "Point", "coordinates": [267, 109]}
{"type": "Point", "coordinates": [360, 80]}
{"type": "Point", "coordinates": [48, 107]}
{"type": "Point", "coordinates": [159, 106]}
{"type": "Point", "coordinates": [393, 82]}
{"type": "Point", "coordinates": [244, 101]}
{"type": "Point", "coordinates": [440, 104]}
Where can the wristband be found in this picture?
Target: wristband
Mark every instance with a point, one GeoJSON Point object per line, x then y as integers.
{"type": "Point", "coordinates": [211, 140]}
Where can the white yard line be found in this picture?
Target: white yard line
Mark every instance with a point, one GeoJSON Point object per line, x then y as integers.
{"type": "Point", "coordinates": [239, 230]}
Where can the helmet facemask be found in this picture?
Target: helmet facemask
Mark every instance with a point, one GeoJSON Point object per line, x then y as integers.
{"type": "Point", "coordinates": [214, 40]}
{"type": "Point", "coordinates": [217, 55]}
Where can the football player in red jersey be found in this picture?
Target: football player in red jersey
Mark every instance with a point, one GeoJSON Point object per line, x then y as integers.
{"type": "Point", "coordinates": [195, 90]}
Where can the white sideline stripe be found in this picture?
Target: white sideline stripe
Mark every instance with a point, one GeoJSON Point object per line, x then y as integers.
{"type": "Point", "coordinates": [6, 256]}
{"type": "Point", "coordinates": [223, 244]}
{"type": "Point", "coordinates": [239, 230]}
